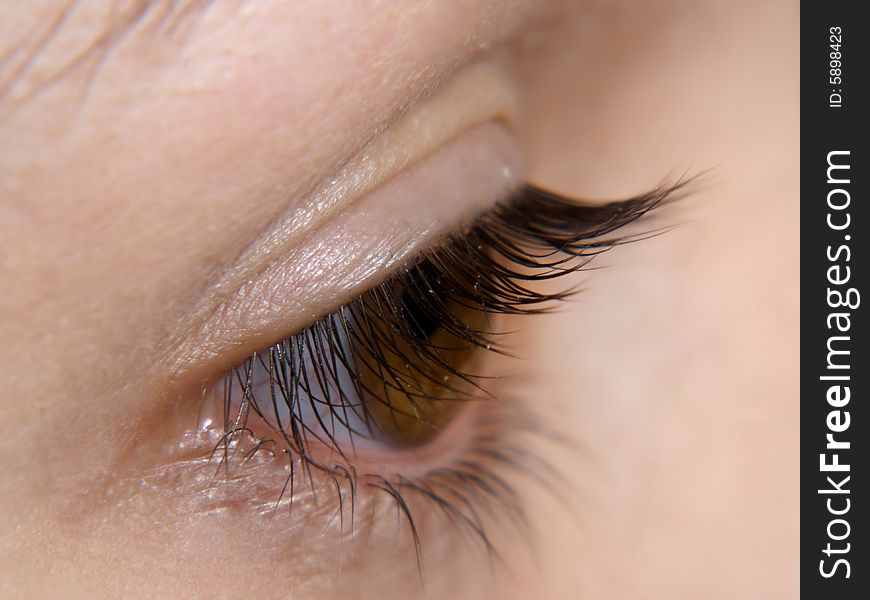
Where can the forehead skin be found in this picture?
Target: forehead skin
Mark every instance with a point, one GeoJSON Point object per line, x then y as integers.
{"type": "Point", "coordinates": [129, 184]}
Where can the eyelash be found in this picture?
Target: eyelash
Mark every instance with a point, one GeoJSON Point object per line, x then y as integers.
{"type": "Point", "coordinates": [487, 268]}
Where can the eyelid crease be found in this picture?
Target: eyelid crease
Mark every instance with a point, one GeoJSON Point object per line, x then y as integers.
{"type": "Point", "coordinates": [343, 253]}
{"type": "Point", "coordinates": [477, 94]}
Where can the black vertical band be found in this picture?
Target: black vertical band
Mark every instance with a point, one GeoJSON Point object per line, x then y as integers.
{"type": "Point", "coordinates": [835, 363]}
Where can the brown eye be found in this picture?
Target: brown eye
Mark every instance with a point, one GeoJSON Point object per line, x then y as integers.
{"type": "Point", "coordinates": [392, 368]}
{"type": "Point", "coordinates": [408, 402]}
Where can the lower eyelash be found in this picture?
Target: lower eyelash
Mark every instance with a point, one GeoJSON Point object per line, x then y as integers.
{"type": "Point", "coordinates": [469, 495]}
{"type": "Point", "coordinates": [489, 267]}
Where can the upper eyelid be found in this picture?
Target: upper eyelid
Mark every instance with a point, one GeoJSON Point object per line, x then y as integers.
{"type": "Point", "coordinates": [475, 95]}
{"type": "Point", "coordinates": [480, 93]}
{"type": "Point", "coordinates": [345, 254]}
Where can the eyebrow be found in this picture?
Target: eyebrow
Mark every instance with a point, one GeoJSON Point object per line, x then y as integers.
{"type": "Point", "coordinates": [20, 77]}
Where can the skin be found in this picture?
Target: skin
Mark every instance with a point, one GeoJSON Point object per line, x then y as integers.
{"type": "Point", "coordinates": [185, 199]}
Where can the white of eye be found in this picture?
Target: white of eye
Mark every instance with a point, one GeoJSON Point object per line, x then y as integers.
{"type": "Point", "coordinates": [308, 383]}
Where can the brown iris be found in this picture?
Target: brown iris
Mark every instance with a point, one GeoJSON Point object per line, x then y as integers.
{"type": "Point", "coordinates": [415, 379]}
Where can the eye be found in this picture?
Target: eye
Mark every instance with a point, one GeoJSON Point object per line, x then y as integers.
{"type": "Point", "coordinates": [394, 369]}
{"type": "Point", "coordinates": [390, 369]}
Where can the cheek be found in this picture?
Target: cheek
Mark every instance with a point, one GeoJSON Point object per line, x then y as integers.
{"type": "Point", "coordinates": [598, 380]}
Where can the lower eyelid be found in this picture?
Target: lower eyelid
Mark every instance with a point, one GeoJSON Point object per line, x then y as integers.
{"type": "Point", "coordinates": [327, 524]}
{"type": "Point", "coordinates": [366, 456]}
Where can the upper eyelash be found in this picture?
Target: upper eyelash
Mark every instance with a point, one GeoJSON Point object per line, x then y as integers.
{"type": "Point", "coordinates": [489, 265]}
{"type": "Point", "coordinates": [535, 235]}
